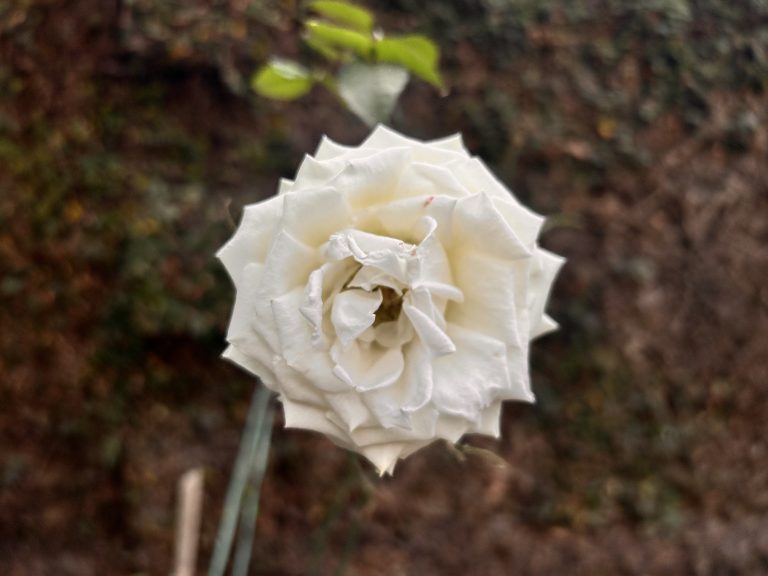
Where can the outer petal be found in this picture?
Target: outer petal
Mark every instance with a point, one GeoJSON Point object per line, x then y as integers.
{"type": "Point", "coordinates": [454, 143]}
{"type": "Point", "coordinates": [251, 364]}
{"type": "Point", "coordinates": [422, 179]}
{"type": "Point", "coordinates": [490, 421]}
{"type": "Point", "coordinates": [545, 268]}
{"type": "Point", "coordinates": [350, 409]}
{"type": "Point", "coordinates": [285, 186]}
{"type": "Point", "coordinates": [252, 238]}
{"type": "Point", "coordinates": [286, 268]}
{"type": "Point", "coordinates": [524, 222]}
{"type": "Point", "coordinates": [315, 174]}
{"type": "Point", "coordinates": [373, 179]}
{"type": "Point", "coordinates": [466, 382]}
{"type": "Point", "coordinates": [295, 386]}
{"type": "Point", "coordinates": [300, 415]}
{"type": "Point", "coordinates": [329, 150]}
{"type": "Point", "coordinates": [246, 299]}
{"type": "Point", "coordinates": [478, 178]}
{"type": "Point", "coordinates": [384, 456]}
{"type": "Point", "coordinates": [495, 301]}
{"type": "Point", "coordinates": [383, 138]}
{"type": "Point", "coordinates": [477, 212]}
{"type": "Point", "coordinates": [312, 216]}
{"type": "Point", "coordinates": [418, 378]}
{"type": "Point", "coordinates": [288, 265]}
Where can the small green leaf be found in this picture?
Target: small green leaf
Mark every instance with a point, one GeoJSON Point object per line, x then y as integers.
{"type": "Point", "coordinates": [371, 91]}
{"type": "Point", "coordinates": [282, 80]}
{"type": "Point", "coordinates": [339, 37]}
{"type": "Point", "coordinates": [344, 13]}
{"type": "Point", "coordinates": [416, 53]}
{"type": "Point", "coordinates": [323, 48]}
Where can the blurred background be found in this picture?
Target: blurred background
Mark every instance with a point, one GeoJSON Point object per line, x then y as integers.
{"type": "Point", "coordinates": [129, 142]}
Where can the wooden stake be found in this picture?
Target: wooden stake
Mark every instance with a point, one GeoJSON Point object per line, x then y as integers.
{"type": "Point", "coordinates": [188, 512]}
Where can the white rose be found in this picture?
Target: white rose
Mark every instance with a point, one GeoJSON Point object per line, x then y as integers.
{"type": "Point", "coordinates": [388, 295]}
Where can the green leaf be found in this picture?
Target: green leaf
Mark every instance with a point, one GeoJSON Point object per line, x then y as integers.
{"type": "Point", "coordinates": [371, 91]}
{"type": "Point", "coordinates": [344, 13]}
{"type": "Point", "coordinates": [339, 37]}
{"type": "Point", "coordinates": [323, 48]}
{"type": "Point", "coordinates": [416, 53]}
{"type": "Point", "coordinates": [282, 80]}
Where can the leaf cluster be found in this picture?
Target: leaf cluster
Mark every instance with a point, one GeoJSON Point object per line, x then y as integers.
{"type": "Point", "coordinates": [363, 66]}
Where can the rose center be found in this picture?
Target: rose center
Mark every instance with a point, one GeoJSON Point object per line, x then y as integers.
{"type": "Point", "coordinates": [390, 307]}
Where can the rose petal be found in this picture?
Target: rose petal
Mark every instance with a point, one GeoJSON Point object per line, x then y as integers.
{"type": "Point", "coordinates": [420, 179]}
{"type": "Point", "coordinates": [383, 456]}
{"type": "Point", "coordinates": [251, 364]}
{"type": "Point", "coordinates": [286, 268]}
{"type": "Point", "coordinates": [465, 382]}
{"type": "Point", "coordinates": [544, 270]}
{"type": "Point", "coordinates": [366, 367]}
{"type": "Point", "coordinates": [288, 265]}
{"type": "Point", "coordinates": [368, 278]}
{"type": "Point", "coordinates": [478, 178]}
{"type": "Point", "coordinates": [436, 341]}
{"type": "Point", "coordinates": [418, 377]}
{"type": "Point", "coordinates": [477, 212]}
{"type": "Point", "coordinates": [312, 306]}
{"type": "Point", "coordinates": [300, 415]}
{"type": "Point", "coordinates": [451, 428]}
{"type": "Point", "coordinates": [526, 223]}
{"type": "Point", "coordinates": [295, 337]}
{"type": "Point", "coordinates": [350, 409]}
{"type": "Point", "coordinates": [422, 426]}
{"type": "Point", "coordinates": [373, 179]}
{"type": "Point", "coordinates": [353, 312]}
{"type": "Point", "coordinates": [386, 254]}
{"type": "Point", "coordinates": [313, 173]}
{"type": "Point", "coordinates": [383, 138]}
{"type": "Point", "coordinates": [252, 239]}
{"type": "Point", "coordinates": [284, 186]}
{"type": "Point", "coordinates": [495, 300]}
{"type": "Point", "coordinates": [454, 143]}
{"type": "Point", "coordinates": [311, 216]}
{"type": "Point", "coordinates": [246, 299]}
{"type": "Point", "coordinates": [295, 386]}
{"type": "Point", "coordinates": [421, 298]}
{"type": "Point", "coordinates": [394, 334]}
{"type": "Point", "coordinates": [328, 149]}
{"type": "Point", "coordinates": [546, 325]}
{"type": "Point", "coordinates": [490, 421]}
{"type": "Point", "coordinates": [401, 218]}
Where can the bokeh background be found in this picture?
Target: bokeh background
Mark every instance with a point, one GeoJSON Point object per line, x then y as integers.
{"type": "Point", "coordinates": [129, 141]}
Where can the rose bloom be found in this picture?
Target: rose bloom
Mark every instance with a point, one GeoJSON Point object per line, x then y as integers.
{"type": "Point", "coordinates": [388, 295]}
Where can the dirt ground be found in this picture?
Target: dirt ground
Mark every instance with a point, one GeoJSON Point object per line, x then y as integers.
{"type": "Point", "coordinates": [128, 144]}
